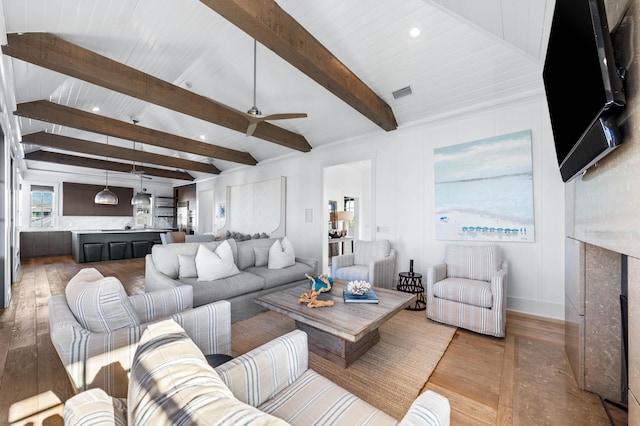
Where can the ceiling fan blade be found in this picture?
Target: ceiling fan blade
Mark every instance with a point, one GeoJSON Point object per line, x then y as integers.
{"type": "Point", "coordinates": [252, 127]}
{"type": "Point", "coordinates": [254, 115]}
{"type": "Point", "coordinates": [284, 116]}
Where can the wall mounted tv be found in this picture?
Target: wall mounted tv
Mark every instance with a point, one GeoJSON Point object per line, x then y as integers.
{"type": "Point", "coordinates": [583, 85]}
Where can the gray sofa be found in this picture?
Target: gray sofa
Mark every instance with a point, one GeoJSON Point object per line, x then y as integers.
{"type": "Point", "coordinates": [162, 271]}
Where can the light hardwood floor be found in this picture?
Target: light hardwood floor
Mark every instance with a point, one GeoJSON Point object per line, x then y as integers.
{"type": "Point", "coordinates": [523, 379]}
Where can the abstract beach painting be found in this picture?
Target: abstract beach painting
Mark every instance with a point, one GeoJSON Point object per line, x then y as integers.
{"type": "Point", "coordinates": [484, 189]}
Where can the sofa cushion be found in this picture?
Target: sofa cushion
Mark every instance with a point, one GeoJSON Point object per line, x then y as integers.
{"type": "Point", "coordinates": [262, 256]}
{"type": "Point", "coordinates": [246, 253]}
{"type": "Point", "coordinates": [281, 254]}
{"type": "Point", "coordinates": [224, 288]}
{"type": "Point", "coordinates": [353, 273]}
{"type": "Point", "coordinates": [213, 265]}
{"type": "Point", "coordinates": [463, 290]}
{"type": "Point", "coordinates": [473, 262]}
{"type": "Point", "coordinates": [314, 399]}
{"type": "Point", "coordinates": [187, 266]}
{"type": "Point", "coordinates": [171, 383]}
{"type": "Point", "coordinates": [276, 277]}
{"type": "Point", "coordinates": [100, 305]}
{"type": "Point", "coordinates": [165, 257]}
{"type": "Point", "coordinates": [368, 251]}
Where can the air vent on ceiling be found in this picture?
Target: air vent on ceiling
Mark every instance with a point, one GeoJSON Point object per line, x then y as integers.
{"type": "Point", "coordinates": [401, 93]}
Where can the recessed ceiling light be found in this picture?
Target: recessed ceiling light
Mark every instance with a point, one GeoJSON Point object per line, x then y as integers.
{"type": "Point", "coordinates": [203, 137]}
{"type": "Point", "coordinates": [414, 32]}
{"type": "Point", "coordinates": [95, 109]}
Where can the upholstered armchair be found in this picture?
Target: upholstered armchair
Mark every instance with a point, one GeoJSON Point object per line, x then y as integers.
{"type": "Point", "coordinates": [469, 289]}
{"type": "Point", "coordinates": [172, 383]}
{"type": "Point", "coordinates": [372, 261]}
{"type": "Point", "coordinates": [95, 327]}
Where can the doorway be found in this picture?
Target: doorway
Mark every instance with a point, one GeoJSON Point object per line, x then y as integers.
{"type": "Point", "coordinates": [348, 199]}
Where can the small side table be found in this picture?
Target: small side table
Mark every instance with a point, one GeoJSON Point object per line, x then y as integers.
{"type": "Point", "coordinates": [411, 282]}
{"type": "Point", "coordinates": [216, 360]}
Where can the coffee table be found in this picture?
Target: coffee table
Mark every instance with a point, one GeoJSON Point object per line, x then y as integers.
{"type": "Point", "coordinates": [343, 332]}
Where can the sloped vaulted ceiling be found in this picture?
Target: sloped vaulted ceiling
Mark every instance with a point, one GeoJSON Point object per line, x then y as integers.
{"type": "Point", "coordinates": [192, 67]}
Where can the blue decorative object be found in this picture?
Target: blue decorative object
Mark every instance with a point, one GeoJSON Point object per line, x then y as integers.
{"type": "Point", "coordinates": [317, 283]}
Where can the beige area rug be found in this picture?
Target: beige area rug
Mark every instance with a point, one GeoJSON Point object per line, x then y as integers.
{"type": "Point", "coordinates": [389, 376]}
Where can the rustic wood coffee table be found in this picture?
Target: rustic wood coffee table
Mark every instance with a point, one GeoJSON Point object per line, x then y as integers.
{"type": "Point", "coordinates": [343, 332]}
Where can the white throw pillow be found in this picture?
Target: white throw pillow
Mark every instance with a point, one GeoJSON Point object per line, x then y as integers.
{"type": "Point", "coordinates": [100, 305]}
{"type": "Point", "coordinates": [281, 254]}
{"type": "Point", "coordinates": [215, 265]}
{"type": "Point", "coordinates": [187, 266]}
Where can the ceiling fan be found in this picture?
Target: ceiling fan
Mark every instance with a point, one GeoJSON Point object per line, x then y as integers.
{"type": "Point", "coordinates": [133, 170]}
{"type": "Point", "coordinates": [254, 115]}
{"type": "Point", "coordinates": [138, 172]}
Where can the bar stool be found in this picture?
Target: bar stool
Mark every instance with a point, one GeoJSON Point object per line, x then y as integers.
{"type": "Point", "coordinates": [92, 252]}
{"type": "Point", "coordinates": [139, 248]}
{"type": "Point", "coordinates": [117, 250]}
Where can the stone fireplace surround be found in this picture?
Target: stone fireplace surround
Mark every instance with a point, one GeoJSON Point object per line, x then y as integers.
{"type": "Point", "coordinates": [593, 325]}
{"type": "Point", "coordinates": [601, 211]}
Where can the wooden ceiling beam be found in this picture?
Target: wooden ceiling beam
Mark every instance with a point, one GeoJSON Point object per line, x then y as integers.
{"type": "Point", "coordinates": [93, 163]}
{"type": "Point", "coordinates": [100, 149]}
{"type": "Point", "coordinates": [78, 119]}
{"type": "Point", "coordinates": [51, 52]}
{"type": "Point", "coordinates": [269, 24]}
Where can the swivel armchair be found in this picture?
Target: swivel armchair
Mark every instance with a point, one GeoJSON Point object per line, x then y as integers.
{"type": "Point", "coordinates": [372, 261]}
{"type": "Point", "coordinates": [95, 327]}
{"type": "Point", "coordinates": [469, 290]}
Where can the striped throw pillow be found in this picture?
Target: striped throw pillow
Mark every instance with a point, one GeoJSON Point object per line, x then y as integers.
{"type": "Point", "coordinates": [172, 383]}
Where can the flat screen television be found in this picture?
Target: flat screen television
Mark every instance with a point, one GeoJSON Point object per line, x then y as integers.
{"type": "Point", "coordinates": [583, 86]}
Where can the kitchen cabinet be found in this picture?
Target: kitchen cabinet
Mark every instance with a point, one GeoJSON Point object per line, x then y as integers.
{"type": "Point", "coordinates": [45, 243]}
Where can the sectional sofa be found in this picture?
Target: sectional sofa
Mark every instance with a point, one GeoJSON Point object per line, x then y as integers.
{"type": "Point", "coordinates": [171, 265]}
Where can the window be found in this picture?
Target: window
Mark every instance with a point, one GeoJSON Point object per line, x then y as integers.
{"type": "Point", "coordinates": [349, 204]}
{"type": "Point", "coordinates": [41, 206]}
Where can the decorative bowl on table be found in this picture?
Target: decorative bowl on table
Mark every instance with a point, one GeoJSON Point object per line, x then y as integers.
{"type": "Point", "coordinates": [358, 288]}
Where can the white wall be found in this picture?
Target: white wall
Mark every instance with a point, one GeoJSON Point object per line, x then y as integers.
{"type": "Point", "coordinates": [402, 196]}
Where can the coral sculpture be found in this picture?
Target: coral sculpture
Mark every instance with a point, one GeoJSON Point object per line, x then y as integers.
{"type": "Point", "coordinates": [311, 298]}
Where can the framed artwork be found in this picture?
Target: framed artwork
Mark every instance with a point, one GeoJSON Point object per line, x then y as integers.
{"type": "Point", "coordinates": [484, 189]}
{"type": "Point", "coordinates": [222, 210]}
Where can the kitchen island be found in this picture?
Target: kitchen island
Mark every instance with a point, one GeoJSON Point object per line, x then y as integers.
{"type": "Point", "coordinates": [112, 244]}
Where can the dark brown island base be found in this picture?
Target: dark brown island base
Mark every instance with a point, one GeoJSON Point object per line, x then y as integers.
{"type": "Point", "coordinates": [96, 246]}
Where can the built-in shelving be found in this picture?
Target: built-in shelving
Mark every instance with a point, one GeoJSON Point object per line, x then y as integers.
{"type": "Point", "coordinates": [164, 209]}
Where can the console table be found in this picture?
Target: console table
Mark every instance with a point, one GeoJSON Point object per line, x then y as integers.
{"type": "Point", "coordinates": [340, 244]}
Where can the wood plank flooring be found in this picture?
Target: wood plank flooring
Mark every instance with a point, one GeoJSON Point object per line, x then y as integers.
{"type": "Point", "coordinates": [523, 379]}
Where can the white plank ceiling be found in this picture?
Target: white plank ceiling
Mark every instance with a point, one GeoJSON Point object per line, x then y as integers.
{"type": "Point", "coordinates": [470, 54]}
